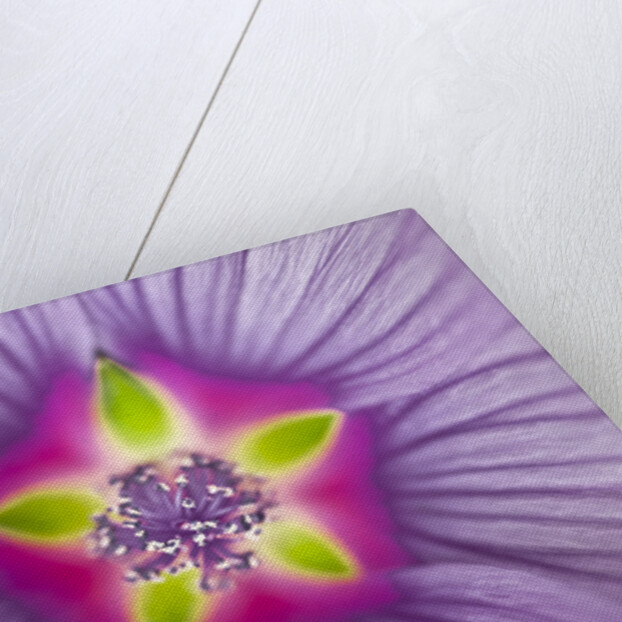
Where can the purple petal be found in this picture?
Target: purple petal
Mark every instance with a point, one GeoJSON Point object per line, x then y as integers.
{"type": "Point", "coordinates": [463, 592]}
{"type": "Point", "coordinates": [38, 344]}
{"type": "Point", "coordinates": [14, 611]}
{"type": "Point", "coordinates": [355, 309]}
{"type": "Point", "coordinates": [372, 311]}
{"type": "Point", "coordinates": [511, 461]}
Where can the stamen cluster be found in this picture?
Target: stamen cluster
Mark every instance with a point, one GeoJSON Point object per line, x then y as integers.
{"type": "Point", "coordinates": [197, 517]}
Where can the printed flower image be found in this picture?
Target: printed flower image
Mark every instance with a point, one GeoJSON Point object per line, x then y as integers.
{"type": "Point", "coordinates": [342, 426]}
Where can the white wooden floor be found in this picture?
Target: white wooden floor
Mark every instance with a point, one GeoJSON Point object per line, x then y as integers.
{"type": "Point", "coordinates": [138, 136]}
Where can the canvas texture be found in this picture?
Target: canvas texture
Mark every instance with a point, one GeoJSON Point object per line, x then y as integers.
{"type": "Point", "coordinates": [346, 425]}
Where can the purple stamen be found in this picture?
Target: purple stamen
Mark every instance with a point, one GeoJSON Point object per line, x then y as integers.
{"type": "Point", "coordinates": [196, 518]}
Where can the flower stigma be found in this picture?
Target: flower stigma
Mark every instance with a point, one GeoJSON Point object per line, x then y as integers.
{"type": "Point", "coordinates": [172, 518]}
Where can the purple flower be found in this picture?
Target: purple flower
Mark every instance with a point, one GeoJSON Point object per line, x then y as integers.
{"type": "Point", "coordinates": [500, 479]}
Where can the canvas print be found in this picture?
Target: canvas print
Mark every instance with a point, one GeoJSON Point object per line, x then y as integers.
{"type": "Point", "coordinates": [342, 426]}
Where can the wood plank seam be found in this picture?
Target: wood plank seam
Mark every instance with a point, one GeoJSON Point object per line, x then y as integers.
{"type": "Point", "coordinates": [193, 138]}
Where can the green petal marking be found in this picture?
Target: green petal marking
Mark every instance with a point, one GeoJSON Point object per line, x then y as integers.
{"type": "Point", "coordinates": [287, 441]}
{"type": "Point", "coordinates": [132, 411]}
{"type": "Point", "coordinates": [49, 515]}
{"type": "Point", "coordinates": [176, 599]}
{"type": "Point", "coordinates": [306, 551]}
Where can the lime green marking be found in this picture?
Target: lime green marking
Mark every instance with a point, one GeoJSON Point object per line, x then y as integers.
{"type": "Point", "coordinates": [176, 599]}
{"type": "Point", "coordinates": [289, 440]}
{"type": "Point", "coordinates": [306, 551]}
{"type": "Point", "coordinates": [132, 411]}
{"type": "Point", "coordinates": [51, 515]}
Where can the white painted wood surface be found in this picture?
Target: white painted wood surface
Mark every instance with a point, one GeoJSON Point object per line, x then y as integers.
{"type": "Point", "coordinates": [498, 120]}
{"type": "Point", "coordinates": [98, 102]}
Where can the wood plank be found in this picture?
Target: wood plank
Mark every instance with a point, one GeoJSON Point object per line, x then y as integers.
{"type": "Point", "coordinates": [98, 102]}
{"type": "Point", "coordinates": [499, 121]}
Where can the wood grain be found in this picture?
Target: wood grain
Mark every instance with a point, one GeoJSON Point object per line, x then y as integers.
{"type": "Point", "coordinates": [98, 102]}
{"type": "Point", "coordinates": [499, 121]}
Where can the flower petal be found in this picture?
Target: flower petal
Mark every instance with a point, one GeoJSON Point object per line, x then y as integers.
{"type": "Point", "coordinates": [288, 440]}
{"type": "Point", "coordinates": [60, 448]}
{"type": "Point", "coordinates": [48, 515]}
{"type": "Point", "coordinates": [511, 462]}
{"type": "Point", "coordinates": [460, 592]}
{"type": "Point", "coordinates": [372, 311]}
{"type": "Point", "coordinates": [305, 550]}
{"type": "Point", "coordinates": [12, 610]}
{"type": "Point", "coordinates": [175, 599]}
{"type": "Point", "coordinates": [132, 412]}
{"type": "Point", "coordinates": [37, 345]}
{"type": "Point", "coordinates": [339, 308]}
{"type": "Point", "coordinates": [63, 582]}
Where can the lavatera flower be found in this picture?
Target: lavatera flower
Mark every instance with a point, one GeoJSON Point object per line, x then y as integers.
{"type": "Point", "coordinates": [342, 426]}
